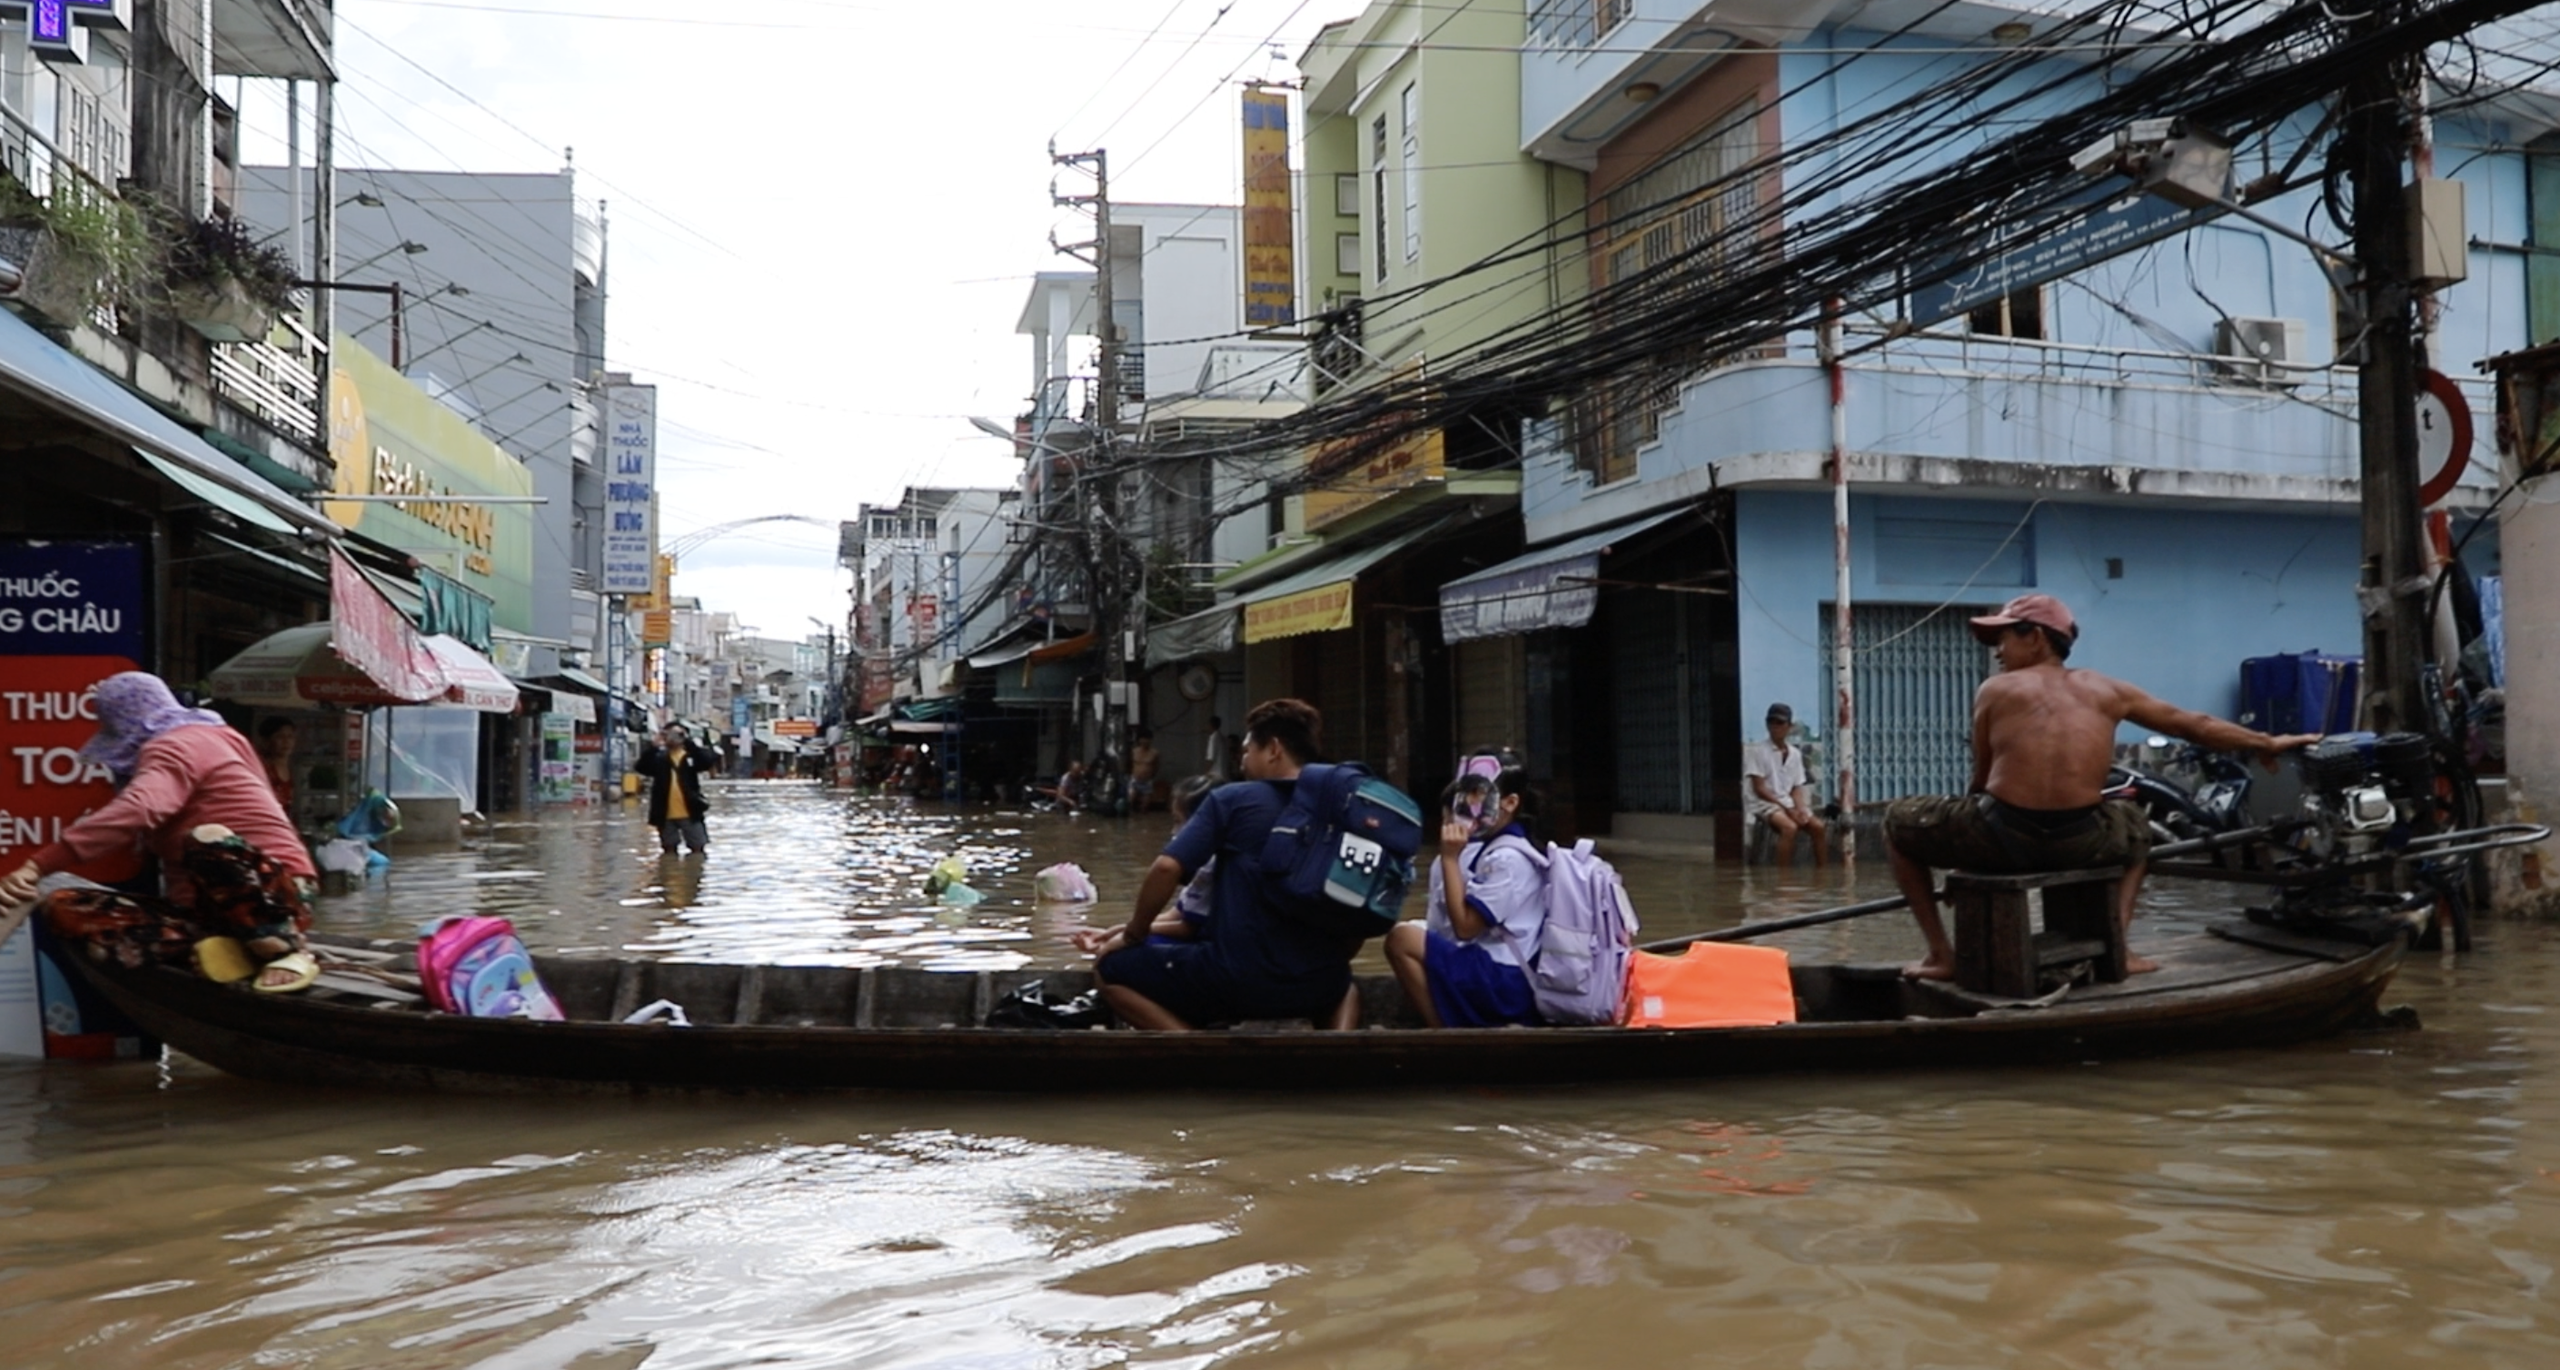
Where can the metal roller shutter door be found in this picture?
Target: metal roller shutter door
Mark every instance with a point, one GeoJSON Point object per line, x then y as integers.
{"type": "Point", "coordinates": [1918, 667]}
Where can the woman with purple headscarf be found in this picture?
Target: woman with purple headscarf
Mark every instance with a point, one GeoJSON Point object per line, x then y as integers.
{"type": "Point", "coordinates": [192, 792]}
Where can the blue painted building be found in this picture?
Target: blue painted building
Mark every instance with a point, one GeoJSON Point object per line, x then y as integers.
{"type": "Point", "coordinates": [2165, 439]}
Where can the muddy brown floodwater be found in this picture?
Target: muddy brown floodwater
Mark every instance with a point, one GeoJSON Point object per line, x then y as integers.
{"type": "Point", "coordinates": [2379, 1201]}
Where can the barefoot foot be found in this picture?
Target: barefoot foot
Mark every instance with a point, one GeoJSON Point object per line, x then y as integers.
{"type": "Point", "coordinates": [2139, 965]}
{"type": "Point", "coordinates": [1929, 970]}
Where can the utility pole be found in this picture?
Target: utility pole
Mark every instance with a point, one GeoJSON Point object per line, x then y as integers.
{"type": "Point", "coordinates": [2392, 593]}
{"type": "Point", "coordinates": [1114, 599]}
{"type": "Point", "coordinates": [1844, 730]}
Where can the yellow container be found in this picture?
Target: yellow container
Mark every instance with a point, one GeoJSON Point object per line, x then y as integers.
{"type": "Point", "coordinates": [630, 783]}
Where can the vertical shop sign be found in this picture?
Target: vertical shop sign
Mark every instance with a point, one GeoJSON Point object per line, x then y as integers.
{"type": "Point", "coordinates": [1270, 253]}
{"type": "Point", "coordinates": [630, 489]}
{"type": "Point", "coordinates": [71, 614]}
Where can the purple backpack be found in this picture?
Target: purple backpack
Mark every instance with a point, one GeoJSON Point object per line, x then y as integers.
{"type": "Point", "coordinates": [1578, 971]}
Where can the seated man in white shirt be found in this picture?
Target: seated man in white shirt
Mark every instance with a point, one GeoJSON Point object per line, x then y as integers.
{"type": "Point", "coordinates": [1774, 787]}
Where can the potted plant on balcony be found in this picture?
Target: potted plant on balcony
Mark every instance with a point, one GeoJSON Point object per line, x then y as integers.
{"type": "Point", "coordinates": [77, 249]}
{"type": "Point", "coordinates": [225, 284]}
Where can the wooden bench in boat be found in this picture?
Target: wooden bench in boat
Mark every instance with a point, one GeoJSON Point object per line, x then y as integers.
{"type": "Point", "coordinates": [1999, 951]}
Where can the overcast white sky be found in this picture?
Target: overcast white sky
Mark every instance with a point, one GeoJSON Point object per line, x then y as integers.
{"type": "Point", "coordinates": [825, 213]}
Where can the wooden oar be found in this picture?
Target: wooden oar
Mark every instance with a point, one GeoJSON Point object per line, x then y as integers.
{"type": "Point", "coordinates": [1801, 920]}
{"type": "Point", "coordinates": [1848, 911]}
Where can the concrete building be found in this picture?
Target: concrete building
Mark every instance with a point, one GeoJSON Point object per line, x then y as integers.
{"type": "Point", "coordinates": [502, 319]}
{"type": "Point", "coordinates": [2113, 436]}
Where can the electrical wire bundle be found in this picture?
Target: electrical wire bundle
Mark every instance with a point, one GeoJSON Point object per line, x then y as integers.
{"type": "Point", "coordinates": [1913, 194]}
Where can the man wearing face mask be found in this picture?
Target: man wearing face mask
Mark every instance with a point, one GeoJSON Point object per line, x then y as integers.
{"type": "Point", "coordinates": [1464, 966]}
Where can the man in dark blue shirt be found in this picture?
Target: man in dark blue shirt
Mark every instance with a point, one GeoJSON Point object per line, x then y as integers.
{"type": "Point", "coordinates": [1256, 961]}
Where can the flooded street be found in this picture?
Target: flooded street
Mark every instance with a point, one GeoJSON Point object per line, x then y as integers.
{"type": "Point", "coordinates": [2366, 1202]}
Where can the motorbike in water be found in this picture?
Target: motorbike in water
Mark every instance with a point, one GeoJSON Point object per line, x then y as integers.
{"type": "Point", "coordinates": [2386, 833]}
{"type": "Point", "coordinates": [2214, 801]}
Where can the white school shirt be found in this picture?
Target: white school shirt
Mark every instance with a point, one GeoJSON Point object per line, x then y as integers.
{"type": "Point", "coordinates": [1785, 775]}
{"type": "Point", "coordinates": [1508, 889]}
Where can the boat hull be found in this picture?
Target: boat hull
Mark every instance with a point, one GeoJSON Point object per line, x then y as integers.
{"type": "Point", "coordinates": [305, 1040]}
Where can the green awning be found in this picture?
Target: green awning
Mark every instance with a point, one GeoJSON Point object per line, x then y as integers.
{"type": "Point", "coordinates": [274, 472]}
{"type": "Point", "coordinates": [300, 569]}
{"type": "Point", "coordinates": [218, 495]}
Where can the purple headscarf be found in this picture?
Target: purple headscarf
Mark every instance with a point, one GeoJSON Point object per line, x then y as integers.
{"type": "Point", "coordinates": [133, 708]}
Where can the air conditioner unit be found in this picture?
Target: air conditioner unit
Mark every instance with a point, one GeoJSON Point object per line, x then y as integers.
{"type": "Point", "coordinates": [2274, 353]}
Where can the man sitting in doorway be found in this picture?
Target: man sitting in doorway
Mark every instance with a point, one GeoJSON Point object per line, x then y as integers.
{"type": "Point", "coordinates": [1257, 961]}
{"type": "Point", "coordinates": [1775, 788]}
{"type": "Point", "coordinates": [2043, 736]}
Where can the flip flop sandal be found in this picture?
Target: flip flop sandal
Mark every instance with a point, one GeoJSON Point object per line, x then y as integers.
{"type": "Point", "coordinates": [223, 960]}
{"type": "Point", "coordinates": [300, 964]}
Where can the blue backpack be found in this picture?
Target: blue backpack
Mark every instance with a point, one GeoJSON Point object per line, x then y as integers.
{"type": "Point", "coordinates": [1341, 854]}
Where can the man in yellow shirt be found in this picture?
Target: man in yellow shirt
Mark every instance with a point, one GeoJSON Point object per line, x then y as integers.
{"type": "Point", "coordinates": [676, 806]}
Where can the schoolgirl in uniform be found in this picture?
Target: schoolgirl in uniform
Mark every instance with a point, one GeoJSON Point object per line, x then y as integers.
{"type": "Point", "coordinates": [1465, 965]}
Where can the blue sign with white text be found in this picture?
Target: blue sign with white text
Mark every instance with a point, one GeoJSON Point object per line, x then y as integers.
{"type": "Point", "coordinates": [2113, 218]}
{"type": "Point", "coordinates": [71, 599]}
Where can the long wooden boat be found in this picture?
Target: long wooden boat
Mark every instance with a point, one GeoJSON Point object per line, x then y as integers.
{"type": "Point", "coordinates": [779, 1028]}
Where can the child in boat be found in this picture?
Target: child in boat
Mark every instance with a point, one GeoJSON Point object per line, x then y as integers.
{"type": "Point", "coordinates": [1186, 919]}
{"type": "Point", "coordinates": [1462, 967]}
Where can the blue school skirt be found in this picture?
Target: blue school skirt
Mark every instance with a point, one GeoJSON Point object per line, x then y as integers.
{"type": "Point", "coordinates": [1471, 989]}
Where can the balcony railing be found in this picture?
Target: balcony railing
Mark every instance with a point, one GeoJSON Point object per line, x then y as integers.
{"type": "Point", "coordinates": [1575, 23]}
{"type": "Point", "coordinates": [277, 382]}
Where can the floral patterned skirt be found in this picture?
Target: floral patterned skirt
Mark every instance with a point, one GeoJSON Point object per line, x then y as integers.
{"type": "Point", "coordinates": [239, 892]}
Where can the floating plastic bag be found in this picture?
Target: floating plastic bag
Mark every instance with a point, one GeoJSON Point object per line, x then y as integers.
{"type": "Point", "coordinates": [1064, 883]}
{"type": "Point", "coordinates": [342, 856]}
{"type": "Point", "coordinates": [950, 870]}
{"type": "Point", "coordinates": [667, 1011]}
{"type": "Point", "coordinates": [960, 896]}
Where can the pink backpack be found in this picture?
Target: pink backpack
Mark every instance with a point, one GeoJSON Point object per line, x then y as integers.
{"type": "Point", "coordinates": [476, 966]}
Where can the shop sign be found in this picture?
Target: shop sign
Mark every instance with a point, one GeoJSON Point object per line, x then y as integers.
{"type": "Point", "coordinates": [1348, 483]}
{"type": "Point", "coordinates": [795, 727]}
{"type": "Point", "coordinates": [58, 30]}
{"type": "Point", "coordinates": [630, 489]}
{"type": "Point", "coordinates": [559, 759]}
{"type": "Point", "coordinates": [657, 628]}
{"type": "Point", "coordinates": [71, 614]}
{"type": "Point", "coordinates": [71, 599]}
{"type": "Point", "coordinates": [1270, 251]}
{"type": "Point", "coordinates": [388, 437]}
{"type": "Point", "coordinates": [1320, 610]}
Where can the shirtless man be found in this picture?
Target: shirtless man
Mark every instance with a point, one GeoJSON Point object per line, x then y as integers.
{"type": "Point", "coordinates": [2043, 736]}
{"type": "Point", "coordinates": [1143, 762]}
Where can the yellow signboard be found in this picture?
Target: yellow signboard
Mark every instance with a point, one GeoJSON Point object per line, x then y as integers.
{"type": "Point", "coordinates": [1270, 254]}
{"type": "Point", "coordinates": [1320, 610]}
{"type": "Point", "coordinates": [657, 628]}
{"type": "Point", "coordinates": [388, 437]}
{"type": "Point", "coordinates": [662, 597]}
{"type": "Point", "coordinates": [1350, 484]}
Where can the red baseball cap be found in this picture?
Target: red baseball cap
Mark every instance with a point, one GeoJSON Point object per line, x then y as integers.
{"type": "Point", "coordinates": [2044, 611]}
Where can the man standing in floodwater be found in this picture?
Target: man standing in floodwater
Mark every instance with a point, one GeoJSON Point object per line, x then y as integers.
{"type": "Point", "coordinates": [2043, 737]}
